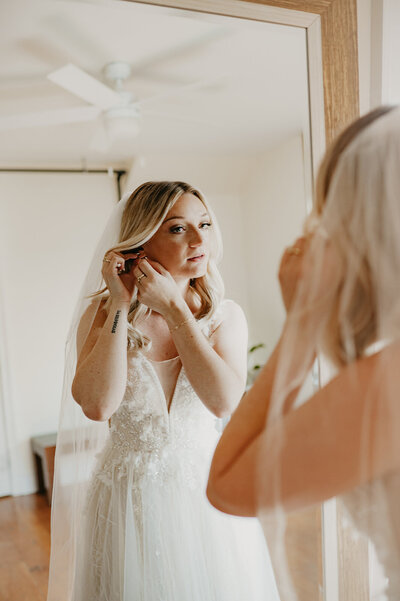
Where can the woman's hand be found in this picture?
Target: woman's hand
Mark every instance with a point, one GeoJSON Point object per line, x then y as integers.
{"type": "Point", "coordinates": [315, 262]}
{"type": "Point", "coordinates": [291, 269]}
{"type": "Point", "coordinates": [157, 288]}
{"type": "Point", "coordinates": [120, 285]}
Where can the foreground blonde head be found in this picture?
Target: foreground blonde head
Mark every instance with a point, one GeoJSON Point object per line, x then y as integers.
{"type": "Point", "coordinates": [355, 306]}
{"type": "Point", "coordinates": [144, 213]}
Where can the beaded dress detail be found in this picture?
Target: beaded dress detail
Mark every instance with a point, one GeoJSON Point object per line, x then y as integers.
{"type": "Point", "coordinates": [372, 509]}
{"type": "Point", "coordinates": [151, 534]}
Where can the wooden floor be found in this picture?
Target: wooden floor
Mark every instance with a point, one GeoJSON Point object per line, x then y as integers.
{"type": "Point", "coordinates": [24, 548]}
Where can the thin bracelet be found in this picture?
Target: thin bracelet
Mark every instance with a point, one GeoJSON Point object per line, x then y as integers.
{"type": "Point", "coordinates": [182, 323]}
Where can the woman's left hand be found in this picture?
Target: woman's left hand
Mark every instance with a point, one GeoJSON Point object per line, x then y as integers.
{"type": "Point", "coordinates": [157, 288]}
{"type": "Point", "coordinates": [315, 263]}
{"type": "Point", "coordinates": [291, 270]}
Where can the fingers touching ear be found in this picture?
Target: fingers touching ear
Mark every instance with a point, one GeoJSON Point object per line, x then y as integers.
{"type": "Point", "coordinates": [152, 266]}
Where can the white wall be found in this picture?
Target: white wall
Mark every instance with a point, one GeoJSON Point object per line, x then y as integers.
{"type": "Point", "coordinates": [49, 225]}
{"type": "Point", "coordinates": [379, 50]}
{"type": "Point", "coordinates": [390, 51]}
{"type": "Point", "coordinates": [274, 205]}
{"type": "Point", "coordinates": [364, 9]}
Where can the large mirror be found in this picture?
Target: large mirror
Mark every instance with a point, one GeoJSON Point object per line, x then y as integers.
{"type": "Point", "coordinates": [231, 103]}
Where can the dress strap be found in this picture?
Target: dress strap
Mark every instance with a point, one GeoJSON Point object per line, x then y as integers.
{"type": "Point", "coordinates": [212, 324]}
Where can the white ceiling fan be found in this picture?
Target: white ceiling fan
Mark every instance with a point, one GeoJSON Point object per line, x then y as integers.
{"type": "Point", "coordinates": [120, 110]}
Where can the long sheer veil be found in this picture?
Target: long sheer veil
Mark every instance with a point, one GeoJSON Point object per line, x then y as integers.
{"type": "Point", "coordinates": [78, 439]}
{"type": "Point", "coordinates": [347, 312]}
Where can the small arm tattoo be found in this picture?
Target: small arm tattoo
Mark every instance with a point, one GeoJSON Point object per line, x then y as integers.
{"type": "Point", "coordinates": [116, 318]}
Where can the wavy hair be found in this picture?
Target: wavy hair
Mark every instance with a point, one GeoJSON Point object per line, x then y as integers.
{"type": "Point", "coordinates": [144, 213]}
{"type": "Point", "coordinates": [352, 323]}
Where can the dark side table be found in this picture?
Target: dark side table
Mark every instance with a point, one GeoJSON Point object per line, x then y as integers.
{"type": "Point", "coordinates": [44, 448]}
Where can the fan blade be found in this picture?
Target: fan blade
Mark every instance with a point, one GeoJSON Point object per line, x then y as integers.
{"type": "Point", "coordinates": [85, 86]}
{"type": "Point", "coordinates": [54, 117]}
{"type": "Point", "coordinates": [195, 85]}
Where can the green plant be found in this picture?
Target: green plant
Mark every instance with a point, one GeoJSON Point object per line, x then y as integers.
{"type": "Point", "coordinates": [253, 367]}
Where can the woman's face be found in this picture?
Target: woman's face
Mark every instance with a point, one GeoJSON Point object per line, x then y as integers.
{"type": "Point", "coordinates": [182, 243]}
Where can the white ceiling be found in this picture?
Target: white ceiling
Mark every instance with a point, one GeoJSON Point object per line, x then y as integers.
{"type": "Point", "coordinates": [256, 95]}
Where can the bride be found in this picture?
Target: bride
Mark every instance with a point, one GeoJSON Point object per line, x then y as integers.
{"type": "Point", "coordinates": [160, 358]}
{"type": "Point", "coordinates": [340, 286]}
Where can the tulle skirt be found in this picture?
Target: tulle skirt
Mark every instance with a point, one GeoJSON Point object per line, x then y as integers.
{"type": "Point", "coordinates": [162, 541]}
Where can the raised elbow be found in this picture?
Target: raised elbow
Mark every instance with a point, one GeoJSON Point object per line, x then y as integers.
{"type": "Point", "coordinates": [216, 498]}
{"type": "Point", "coordinates": [75, 392]}
{"type": "Point", "coordinates": [211, 496]}
{"type": "Point", "coordinates": [90, 408]}
{"type": "Point", "coordinates": [226, 407]}
{"type": "Point", "coordinates": [222, 498]}
{"type": "Point", "coordinates": [212, 491]}
{"type": "Point", "coordinates": [222, 412]}
{"type": "Point", "coordinates": [95, 414]}
{"type": "Point", "coordinates": [228, 402]}
{"type": "Point", "coordinates": [94, 411]}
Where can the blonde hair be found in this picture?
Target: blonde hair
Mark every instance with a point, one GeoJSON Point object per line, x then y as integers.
{"type": "Point", "coordinates": [335, 150]}
{"type": "Point", "coordinates": [144, 213]}
{"type": "Point", "coordinates": [359, 310]}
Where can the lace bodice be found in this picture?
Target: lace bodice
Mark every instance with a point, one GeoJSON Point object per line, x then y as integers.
{"type": "Point", "coordinates": [374, 511]}
{"type": "Point", "coordinates": [148, 440]}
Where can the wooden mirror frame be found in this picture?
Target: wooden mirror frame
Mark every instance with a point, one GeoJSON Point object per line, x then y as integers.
{"type": "Point", "coordinates": [333, 82]}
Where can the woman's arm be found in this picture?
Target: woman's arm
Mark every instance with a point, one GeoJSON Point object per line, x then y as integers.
{"type": "Point", "coordinates": [324, 448]}
{"type": "Point", "coordinates": [240, 435]}
{"type": "Point", "coordinates": [253, 411]}
{"type": "Point", "coordinates": [216, 368]}
{"type": "Point", "coordinates": [100, 378]}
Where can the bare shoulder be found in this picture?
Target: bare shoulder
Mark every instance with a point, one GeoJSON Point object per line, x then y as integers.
{"type": "Point", "coordinates": [382, 358]}
{"type": "Point", "coordinates": [230, 338]}
{"type": "Point", "coordinates": [384, 362]}
{"type": "Point", "coordinates": [370, 374]}
{"type": "Point", "coordinates": [234, 311]}
{"type": "Point", "coordinates": [230, 314]}
{"type": "Point", "coordinates": [231, 325]}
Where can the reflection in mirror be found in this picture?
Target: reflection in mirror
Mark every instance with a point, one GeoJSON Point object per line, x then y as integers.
{"type": "Point", "coordinates": [218, 102]}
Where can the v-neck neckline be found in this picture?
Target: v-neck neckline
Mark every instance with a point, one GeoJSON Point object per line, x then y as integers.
{"type": "Point", "coordinates": [167, 408]}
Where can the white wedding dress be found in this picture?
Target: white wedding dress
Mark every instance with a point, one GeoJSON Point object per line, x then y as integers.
{"type": "Point", "coordinates": [373, 510]}
{"type": "Point", "coordinates": [151, 534]}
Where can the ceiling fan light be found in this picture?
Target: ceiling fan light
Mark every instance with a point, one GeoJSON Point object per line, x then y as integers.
{"type": "Point", "coordinates": [122, 124]}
